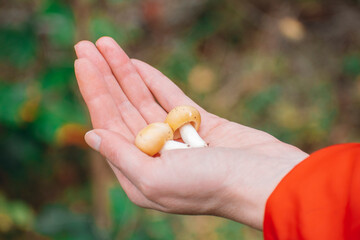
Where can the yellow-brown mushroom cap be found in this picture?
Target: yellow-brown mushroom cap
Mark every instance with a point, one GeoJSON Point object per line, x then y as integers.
{"type": "Point", "coordinates": [181, 115]}
{"type": "Point", "coordinates": [152, 138]}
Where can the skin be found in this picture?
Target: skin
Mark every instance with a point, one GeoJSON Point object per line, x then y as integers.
{"type": "Point", "coordinates": [232, 178]}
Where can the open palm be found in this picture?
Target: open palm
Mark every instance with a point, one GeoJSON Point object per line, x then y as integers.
{"type": "Point", "coordinates": [124, 95]}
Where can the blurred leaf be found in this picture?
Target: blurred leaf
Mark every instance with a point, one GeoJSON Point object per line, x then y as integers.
{"type": "Point", "coordinates": [121, 208]}
{"type": "Point", "coordinates": [54, 114]}
{"type": "Point", "coordinates": [59, 222]}
{"type": "Point", "coordinates": [287, 114]}
{"type": "Point", "coordinates": [59, 105]}
{"type": "Point", "coordinates": [203, 28]}
{"type": "Point", "coordinates": [58, 78]}
{"type": "Point", "coordinates": [326, 111]}
{"type": "Point", "coordinates": [14, 214]}
{"type": "Point", "coordinates": [260, 102]}
{"type": "Point", "coordinates": [29, 109]}
{"type": "Point", "coordinates": [71, 134]}
{"type": "Point", "coordinates": [46, 126]}
{"type": "Point", "coordinates": [230, 230]}
{"type": "Point", "coordinates": [57, 22]}
{"type": "Point", "coordinates": [351, 65]}
{"type": "Point", "coordinates": [102, 26]}
{"type": "Point", "coordinates": [6, 223]}
{"type": "Point", "coordinates": [20, 45]}
{"type": "Point", "coordinates": [12, 96]}
{"type": "Point", "coordinates": [21, 214]}
{"type": "Point", "coordinates": [30, 152]}
{"type": "Point", "coordinates": [159, 228]}
{"type": "Point", "coordinates": [179, 65]}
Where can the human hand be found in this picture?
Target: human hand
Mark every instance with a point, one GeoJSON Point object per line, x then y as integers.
{"type": "Point", "coordinates": [232, 178]}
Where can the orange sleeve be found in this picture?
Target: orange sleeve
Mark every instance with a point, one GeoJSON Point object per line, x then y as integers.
{"type": "Point", "coordinates": [318, 199]}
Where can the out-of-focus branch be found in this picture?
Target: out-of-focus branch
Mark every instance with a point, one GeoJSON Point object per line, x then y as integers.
{"type": "Point", "coordinates": [101, 182]}
{"type": "Point", "coordinates": [81, 9]}
{"type": "Point", "coordinates": [100, 172]}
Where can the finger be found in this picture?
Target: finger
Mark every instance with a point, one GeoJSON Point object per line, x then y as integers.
{"type": "Point", "coordinates": [125, 156]}
{"type": "Point", "coordinates": [130, 81]}
{"type": "Point", "coordinates": [103, 111]}
{"type": "Point", "coordinates": [86, 49]}
{"type": "Point", "coordinates": [168, 94]}
{"type": "Point", "coordinates": [131, 117]}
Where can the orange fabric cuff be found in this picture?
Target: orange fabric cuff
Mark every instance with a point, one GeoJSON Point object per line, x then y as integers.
{"type": "Point", "coordinates": [319, 198]}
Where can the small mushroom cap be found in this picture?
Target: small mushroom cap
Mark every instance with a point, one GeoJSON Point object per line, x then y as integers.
{"type": "Point", "coordinates": [152, 138]}
{"type": "Point", "coordinates": [181, 115]}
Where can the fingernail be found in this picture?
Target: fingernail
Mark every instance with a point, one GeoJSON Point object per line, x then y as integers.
{"type": "Point", "coordinates": [93, 140]}
{"type": "Point", "coordinates": [76, 47]}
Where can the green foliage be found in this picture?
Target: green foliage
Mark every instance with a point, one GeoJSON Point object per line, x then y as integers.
{"type": "Point", "coordinates": [261, 102]}
{"type": "Point", "coordinates": [122, 210]}
{"type": "Point", "coordinates": [59, 223]}
{"type": "Point", "coordinates": [352, 65]}
{"type": "Point", "coordinates": [132, 223]}
{"type": "Point", "coordinates": [179, 64]}
{"type": "Point", "coordinates": [21, 45]}
{"type": "Point", "coordinates": [305, 92]}
{"type": "Point", "coordinates": [102, 26]}
{"type": "Point", "coordinates": [14, 214]}
{"type": "Point", "coordinates": [12, 97]}
{"type": "Point", "coordinates": [231, 230]}
{"type": "Point", "coordinates": [57, 21]}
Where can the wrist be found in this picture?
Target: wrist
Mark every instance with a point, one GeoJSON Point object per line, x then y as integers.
{"type": "Point", "coordinates": [252, 178]}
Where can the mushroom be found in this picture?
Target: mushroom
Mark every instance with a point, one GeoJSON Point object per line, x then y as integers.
{"type": "Point", "coordinates": [187, 120]}
{"type": "Point", "coordinates": [157, 137]}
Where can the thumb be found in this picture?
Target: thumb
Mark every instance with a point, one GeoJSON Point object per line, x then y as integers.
{"type": "Point", "coordinates": [116, 148]}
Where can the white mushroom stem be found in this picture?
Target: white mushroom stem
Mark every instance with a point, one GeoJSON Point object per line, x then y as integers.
{"type": "Point", "coordinates": [171, 145]}
{"type": "Point", "coordinates": [190, 136]}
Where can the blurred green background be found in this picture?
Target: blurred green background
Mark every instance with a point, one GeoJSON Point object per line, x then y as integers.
{"type": "Point", "coordinates": [291, 68]}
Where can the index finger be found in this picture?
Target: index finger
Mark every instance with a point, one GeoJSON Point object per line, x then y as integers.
{"type": "Point", "coordinates": [130, 81]}
{"type": "Point", "coordinates": [128, 112]}
{"type": "Point", "coordinates": [103, 111]}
